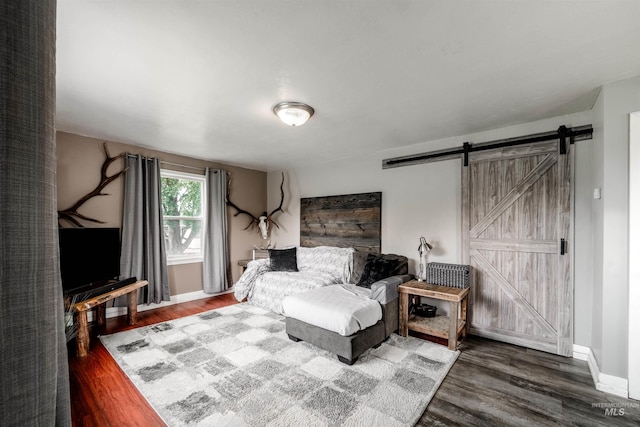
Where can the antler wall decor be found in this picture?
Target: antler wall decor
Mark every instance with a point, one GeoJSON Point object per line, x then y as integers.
{"type": "Point", "coordinates": [263, 222]}
{"type": "Point", "coordinates": [70, 214]}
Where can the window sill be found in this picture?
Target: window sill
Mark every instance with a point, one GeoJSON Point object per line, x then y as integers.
{"type": "Point", "coordinates": [178, 261]}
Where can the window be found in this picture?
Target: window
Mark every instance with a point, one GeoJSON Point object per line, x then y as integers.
{"type": "Point", "coordinates": [183, 211]}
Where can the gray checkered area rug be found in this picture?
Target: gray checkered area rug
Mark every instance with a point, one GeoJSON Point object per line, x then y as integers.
{"type": "Point", "coordinates": [235, 366]}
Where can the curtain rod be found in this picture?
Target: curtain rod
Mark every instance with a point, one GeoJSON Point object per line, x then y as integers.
{"type": "Point", "coordinates": [183, 166]}
{"type": "Point", "coordinates": [171, 163]}
{"type": "Point", "coordinates": [578, 133]}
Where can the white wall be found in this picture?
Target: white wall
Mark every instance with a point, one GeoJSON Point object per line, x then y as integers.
{"type": "Point", "coordinates": [597, 217]}
{"type": "Point", "coordinates": [415, 201]}
{"type": "Point", "coordinates": [611, 165]}
{"type": "Point", "coordinates": [583, 253]}
{"type": "Point", "coordinates": [424, 200]}
{"type": "Point", "coordinates": [634, 254]}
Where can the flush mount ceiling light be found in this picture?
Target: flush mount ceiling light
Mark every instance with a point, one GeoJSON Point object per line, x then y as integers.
{"type": "Point", "coordinates": [293, 113]}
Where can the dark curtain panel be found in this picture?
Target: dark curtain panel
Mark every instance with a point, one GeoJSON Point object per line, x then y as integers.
{"type": "Point", "coordinates": [34, 378]}
{"type": "Point", "coordinates": [143, 251]}
{"type": "Point", "coordinates": [216, 266]}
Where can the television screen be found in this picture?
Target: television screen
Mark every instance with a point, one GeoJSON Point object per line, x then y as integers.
{"type": "Point", "coordinates": [88, 256]}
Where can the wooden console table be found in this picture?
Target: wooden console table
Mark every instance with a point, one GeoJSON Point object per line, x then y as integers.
{"type": "Point", "coordinates": [447, 327]}
{"type": "Point", "coordinates": [100, 303]}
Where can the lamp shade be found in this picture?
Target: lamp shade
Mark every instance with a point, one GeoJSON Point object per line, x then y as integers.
{"type": "Point", "coordinates": [293, 113]}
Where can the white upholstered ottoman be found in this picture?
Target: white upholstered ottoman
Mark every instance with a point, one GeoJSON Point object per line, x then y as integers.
{"type": "Point", "coordinates": [342, 319]}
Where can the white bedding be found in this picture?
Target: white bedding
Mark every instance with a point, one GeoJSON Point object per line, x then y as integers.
{"type": "Point", "coordinates": [344, 309]}
{"type": "Point", "coordinates": [320, 266]}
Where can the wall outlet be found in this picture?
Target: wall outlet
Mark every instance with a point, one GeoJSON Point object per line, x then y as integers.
{"type": "Point", "coordinates": [597, 194]}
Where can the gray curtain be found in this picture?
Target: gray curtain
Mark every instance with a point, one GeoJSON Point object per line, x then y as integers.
{"type": "Point", "coordinates": [216, 266]}
{"type": "Point", "coordinates": [143, 252]}
{"type": "Point", "coordinates": [34, 375]}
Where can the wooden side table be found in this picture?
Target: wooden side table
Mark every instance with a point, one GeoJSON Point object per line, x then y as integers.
{"type": "Point", "coordinates": [243, 263]}
{"type": "Point", "coordinates": [447, 327]}
{"type": "Point", "coordinates": [99, 302]}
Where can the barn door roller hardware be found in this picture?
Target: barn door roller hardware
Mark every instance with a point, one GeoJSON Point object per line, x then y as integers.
{"type": "Point", "coordinates": [562, 134]}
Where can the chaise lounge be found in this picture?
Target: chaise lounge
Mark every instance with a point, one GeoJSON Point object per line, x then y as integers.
{"type": "Point", "coordinates": [306, 318]}
{"type": "Point", "coordinates": [348, 319]}
{"type": "Point", "coordinates": [338, 299]}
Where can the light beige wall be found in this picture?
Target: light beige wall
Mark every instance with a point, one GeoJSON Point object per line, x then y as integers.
{"type": "Point", "coordinates": [80, 159]}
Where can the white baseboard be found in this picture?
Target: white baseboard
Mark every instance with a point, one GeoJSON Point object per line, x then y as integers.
{"type": "Point", "coordinates": [603, 382]}
{"type": "Point", "coordinates": [175, 299]}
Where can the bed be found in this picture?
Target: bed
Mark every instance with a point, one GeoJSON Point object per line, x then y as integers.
{"type": "Point", "coordinates": [317, 267]}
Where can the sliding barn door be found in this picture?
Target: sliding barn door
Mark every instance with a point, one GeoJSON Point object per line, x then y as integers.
{"type": "Point", "coordinates": [516, 233]}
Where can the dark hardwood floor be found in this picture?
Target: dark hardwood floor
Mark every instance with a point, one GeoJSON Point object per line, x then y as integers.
{"type": "Point", "coordinates": [497, 384]}
{"type": "Point", "coordinates": [491, 384]}
{"type": "Point", "coordinates": [101, 394]}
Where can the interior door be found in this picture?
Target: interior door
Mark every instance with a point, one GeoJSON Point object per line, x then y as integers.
{"type": "Point", "coordinates": [517, 225]}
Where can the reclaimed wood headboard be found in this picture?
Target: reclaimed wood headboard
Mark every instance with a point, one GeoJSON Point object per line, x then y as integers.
{"type": "Point", "coordinates": [351, 220]}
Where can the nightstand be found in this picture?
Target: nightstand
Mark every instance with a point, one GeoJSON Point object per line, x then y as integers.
{"type": "Point", "coordinates": [447, 327]}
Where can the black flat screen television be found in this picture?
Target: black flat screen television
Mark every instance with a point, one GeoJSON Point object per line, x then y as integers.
{"type": "Point", "coordinates": [88, 256]}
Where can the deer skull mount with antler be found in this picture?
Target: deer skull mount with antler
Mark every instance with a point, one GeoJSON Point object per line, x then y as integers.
{"type": "Point", "coordinates": [264, 221]}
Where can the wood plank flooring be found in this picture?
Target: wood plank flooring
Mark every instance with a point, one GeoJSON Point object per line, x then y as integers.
{"type": "Point", "coordinates": [491, 384]}
{"type": "Point", "coordinates": [101, 393]}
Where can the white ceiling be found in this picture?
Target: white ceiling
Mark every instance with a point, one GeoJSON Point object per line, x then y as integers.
{"type": "Point", "coordinates": [200, 78]}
